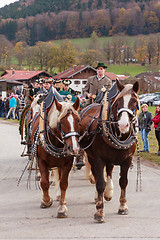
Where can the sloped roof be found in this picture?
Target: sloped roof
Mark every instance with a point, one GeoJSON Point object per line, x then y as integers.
{"type": "Point", "coordinates": [111, 76]}
{"type": "Point", "coordinates": [20, 75]}
{"type": "Point", "coordinates": [11, 82]}
{"type": "Point", "coordinates": [71, 72]}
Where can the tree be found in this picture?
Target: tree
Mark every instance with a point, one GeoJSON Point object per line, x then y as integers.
{"type": "Point", "coordinates": [42, 54]}
{"type": "Point", "coordinates": [5, 50]}
{"type": "Point", "coordinates": [107, 52]}
{"type": "Point", "coordinates": [141, 51]}
{"type": "Point", "coordinates": [151, 22]}
{"type": "Point", "coordinates": [20, 52]}
{"type": "Point", "coordinates": [94, 41]}
{"type": "Point", "coordinates": [63, 56]}
{"type": "Point", "coordinates": [91, 57]}
{"type": "Point", "coordinates": [151, 50]}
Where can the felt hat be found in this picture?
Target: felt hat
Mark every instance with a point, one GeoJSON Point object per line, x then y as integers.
{"type": "Point", "coordinates": [66, 82]}
{"type": "Point", "coordinates": [101, 65]}
{"type": "Point", "coordinates": [56, 81]}
{"type": "Point", "coordinates": [37, 81]}
{"type": "Point", "coordinates": [48, 80]}
{"type": "Point", "coordinates": [41, 80]}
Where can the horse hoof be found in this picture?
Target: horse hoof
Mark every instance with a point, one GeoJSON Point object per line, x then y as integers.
{"type": "Point", "coordinates": [98, 219]}
{"type": "Point", "coordinates": [62, 215]}
{"type": "Point", "coordinates": [123, 212]}
{"type": "Point", "coordinates": [108, 198]}
{"type": "Point", "coordinates": [46, 205]}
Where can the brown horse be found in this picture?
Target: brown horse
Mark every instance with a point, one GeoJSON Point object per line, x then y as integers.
{"type": "Point", "coordinates": [56, 132]}
{"type": "Point", "coordinates": [108, 135]}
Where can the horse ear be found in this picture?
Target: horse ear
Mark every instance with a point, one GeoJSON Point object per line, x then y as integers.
{"type": "Point", "coordinates": [120, 86]}
{"type": "Point", "coordinates": [58, 105]}
{"type": "Point", "coordinates": [136, 87]}
{"type": "Point", "coordinates": [76, 104]}
{"type": "Point", "coordinates": [30, 98]}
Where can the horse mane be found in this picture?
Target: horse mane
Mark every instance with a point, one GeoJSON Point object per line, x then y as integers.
{"type": "Point", "coordinates": [127, 89]}
{"type": "Point", "coordinates": [67, 106]}
{"type": "Point", "coordinates": [54, 116]}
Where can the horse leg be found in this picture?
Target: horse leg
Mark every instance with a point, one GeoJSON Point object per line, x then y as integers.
{"type": "Point", "coordinates": [108, 192]}
{"type": "Point", "coordinates": [62, 209]}
{"type": "Point", "coordinates": [56, 174]}
{"type": "Point", "coordinates": [46, 200]}
{"type": "Point", "coordinates": [123, 181]}
{"type": "Point", "coordinates": [97, 171]}
{"type": "Point", "coordinates": [88, 173]}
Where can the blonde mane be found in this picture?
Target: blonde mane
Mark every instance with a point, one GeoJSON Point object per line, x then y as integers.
{"type": "Point", "coordinates": [125, 90]}
{"type": "Point", "coordinates": [54, 116]}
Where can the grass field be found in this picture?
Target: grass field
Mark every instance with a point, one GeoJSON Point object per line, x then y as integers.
{"type": "Point", "coordinates": [83, 43]}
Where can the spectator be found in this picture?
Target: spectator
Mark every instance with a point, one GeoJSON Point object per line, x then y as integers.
{"type": "Point", "coordinates": [145, 122]}
{"type": "Point", "coordinates": [17, 115]}
{"type": "Point", "coordinates": [12, 106]}
{"type": "Point", "coordinates": [4, 113]}
{"type": "Point", "coordinates": [156, 121]}
{"type": "Point", "coordinates": [1, 102]}
{"type": "Point", "coordinates": [18, 91]}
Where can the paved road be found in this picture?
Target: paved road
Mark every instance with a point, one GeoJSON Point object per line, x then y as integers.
{"type": "Point", "coordinates": [22, 218]}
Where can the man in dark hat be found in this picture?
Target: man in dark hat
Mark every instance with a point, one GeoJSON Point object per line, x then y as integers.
{"type": "Point", "coordinates": [34, 88]}
{"type": "Point", "coordinates": [47, 83]}
{"type": "Point", "coordinates": [96, 83]}
{"type": "Point", "coordinates": [56, 84]}
{"type": "Point", "coordinates": [66, 87]}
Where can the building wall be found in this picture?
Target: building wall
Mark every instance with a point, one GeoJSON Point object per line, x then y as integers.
{"type": "Point", "coordinates": [85, 74]}
{"type": "Point", "coordinates": [79, 80]}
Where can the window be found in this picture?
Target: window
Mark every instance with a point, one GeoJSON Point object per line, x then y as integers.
{"type": "Point", "coordinates": [77, 82]}
{"type": "Point", "coordinates": [84, 82]}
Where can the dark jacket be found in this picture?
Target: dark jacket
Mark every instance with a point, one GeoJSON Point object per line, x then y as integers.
{"type": "Point", "coordinates": [145, 121]}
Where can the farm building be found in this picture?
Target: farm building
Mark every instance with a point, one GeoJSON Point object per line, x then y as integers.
{"type": "Point", "coordinates": [79, 75]}
{"type": "Point", "coordinates": [11, 79]}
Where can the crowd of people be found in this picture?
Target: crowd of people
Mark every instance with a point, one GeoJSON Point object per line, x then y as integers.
{"type": "Point", "coordinates": [10, 105]}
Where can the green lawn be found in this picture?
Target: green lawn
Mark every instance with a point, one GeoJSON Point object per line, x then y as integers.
{"type": "Point", "coordinates": [130, 70]}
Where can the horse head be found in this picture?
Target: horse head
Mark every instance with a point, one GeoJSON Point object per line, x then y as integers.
{"type": "Point", "coordinates": [126, 105]}
{"type": "Point", "coordinates": [63, 117]}
{"type": "Point", "coordinates": [35, 107]}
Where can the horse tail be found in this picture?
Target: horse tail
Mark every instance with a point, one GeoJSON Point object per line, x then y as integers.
{"type": "Point", "coordinates": [22, 119]}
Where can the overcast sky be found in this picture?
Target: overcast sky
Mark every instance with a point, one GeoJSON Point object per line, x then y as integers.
{"type": "Point", "coordinates": [6, 2]}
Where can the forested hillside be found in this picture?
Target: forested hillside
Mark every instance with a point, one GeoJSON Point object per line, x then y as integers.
{"type": "Point", "coordinates": [40, 20]}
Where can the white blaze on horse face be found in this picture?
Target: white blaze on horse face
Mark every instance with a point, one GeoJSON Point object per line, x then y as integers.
{"type": "Point", "coordinates": [74, 140]}
{"type": "Point", "coordinates": [123, 122]}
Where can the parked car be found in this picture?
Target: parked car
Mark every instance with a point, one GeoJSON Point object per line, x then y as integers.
{"type": "Point", "coordinates": [156, 102]}
{"type": "Point", "coordinates": [150, 99]}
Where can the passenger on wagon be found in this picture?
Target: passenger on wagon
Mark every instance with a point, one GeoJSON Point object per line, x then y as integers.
{"type": "Point", "coordinates": [56, 84]}
{"type": "Point", "coordinates": [96, 83]}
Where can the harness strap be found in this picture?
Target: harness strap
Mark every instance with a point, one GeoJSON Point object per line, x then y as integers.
{"type": "Point", "coordinates": [126, 110]}
{"type": "Point", "coordinates": [70, 134]}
